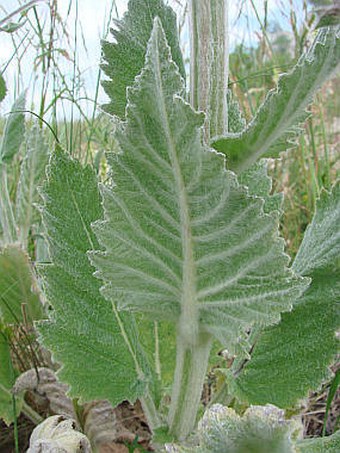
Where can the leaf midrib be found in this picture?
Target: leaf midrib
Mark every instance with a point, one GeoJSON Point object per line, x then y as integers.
{"type": "Point", "coordinates": [188, 322]}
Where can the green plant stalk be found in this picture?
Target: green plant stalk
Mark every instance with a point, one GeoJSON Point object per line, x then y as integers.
{"type": "Point", "coordinates": [191, 367]}
{"type": "Point", "coordinates": [150, 411]}
{"type": "Point", "coordinates": [209, 63]}
{"type": "Point", "coordinates": [6, 211]}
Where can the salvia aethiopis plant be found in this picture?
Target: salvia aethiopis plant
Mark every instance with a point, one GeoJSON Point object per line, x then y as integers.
{"type": "Point", "coordinates": [179, 250]}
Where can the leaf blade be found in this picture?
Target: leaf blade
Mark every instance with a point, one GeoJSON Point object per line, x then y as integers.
{"type": "Point", "coordinates": [93, 334]}
{"type": "Point", "coordinates": [274, 126]}
{"type": "Point", "coordinates": [124, 59]}
{"type": "Point", "coordinates": [165, 220]}
{"type": "Point", "coordinates": [292, 358]}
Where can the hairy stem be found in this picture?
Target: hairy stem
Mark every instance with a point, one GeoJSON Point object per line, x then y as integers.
{"type": "Point", "coordinates": [150, 411]}
{"type": "Point", "coordinates": [191, 368]}
{"type": "Point", "coordinates": [209, 63]}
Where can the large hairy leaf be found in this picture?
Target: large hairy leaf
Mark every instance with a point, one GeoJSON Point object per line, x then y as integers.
{"type": "Point", "coordinates": [96, 345]}
{"type": "Point", "coordinates": [14, 130]}
{"type": "Point", "coordinates": [274, 126]}
{"type": "Point", "coordinates": [16, 282]}
{"type": "Point", "coordinates": [124, 59]}
{"type": "Point", "coordinates": [292, 358]}
{"type": "Point", "coordinates": [32, 173]}
{"type": "Point", "coordinates": [183, 241]}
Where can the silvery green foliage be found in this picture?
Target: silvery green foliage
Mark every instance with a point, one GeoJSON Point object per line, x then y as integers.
{"type": "Point", "coordinates": [124, 59]}
{"type": "Point", "coordinates": [291, 358]}
{"type": "Point", "coordinates": [261, 429]}
{"type": "Point", "coordinates": [236, 121]}
{"type": "Point", "coordinates": [275, 124]}
{"type": "Point", "coordinates": [259, 184]}
{"type": "Point", "coordinates": [183, 241]}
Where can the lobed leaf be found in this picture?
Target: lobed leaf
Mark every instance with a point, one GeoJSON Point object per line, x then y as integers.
{"type": "Point", "coordinates": [124, 59]}
{"type": "Point", "coordinates": [292, 358]}
{"type": "Point", "coordinates": [274, 127]}
{"type": "Point", "coordinates": [97, 345]}
{"type": "Point", "coordinates": [183, 241]}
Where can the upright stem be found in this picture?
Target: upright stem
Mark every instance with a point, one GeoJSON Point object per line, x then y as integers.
{"type": "Point", "coordinates": [191, 368]}
{"type": "Point", "coordinates": [209, 63]}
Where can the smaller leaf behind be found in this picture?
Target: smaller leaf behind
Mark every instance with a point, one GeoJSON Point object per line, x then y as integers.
{"type": "Point", "coordinates": [97, 345]}
{"type": "Point", "coordinates": [124, 59]}
{"type": "Point", "coordinates": [292, 358]}
{"type": "Point", "coordinates": [274, 126]}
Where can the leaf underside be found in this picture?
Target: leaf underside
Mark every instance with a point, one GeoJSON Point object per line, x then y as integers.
{"type": "Point", "coordinates": [124, 59]}
{"type": "Point", "coordinates": [181, 237]}
{"type": "Point", "coordinates": [292, 358]}
{"type": "Point", "coordinates": [83, 333]}
{"type": "Point", "coordinates": [274, 127]}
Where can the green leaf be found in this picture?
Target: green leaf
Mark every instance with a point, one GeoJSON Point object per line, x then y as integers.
{"type": "Point", "coordinates": [236, 121]}
{"type": "Point", "coordinates": [3, 88]}
{"type": "Point", "coordinates": [124, 59]}
{"type": "Point", "coordinates": [292, 358]}
{"type": "Point", "coordinates": [32, 173]}
{"type": "Point", "coordinates": [14, 130]}
{"type": "Point", "coordinates": [7, 380]}
{"type": "Point", "coordinates": [259, 430]}
{"type": "Point", "coordinates": [260, 184]}
{"type": "Point", "coordinates": [329, 444]}
{"type": "Point", "coordinates": [16, 282]}
{"type": "Point", "coordinates": [320, 249]}
{"type": "Point", "coordinates": [97, 345]}
{"type": "Point", "coordinates": [274, 127]}
{"type": "Point", "coordinates": [183, 241]}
